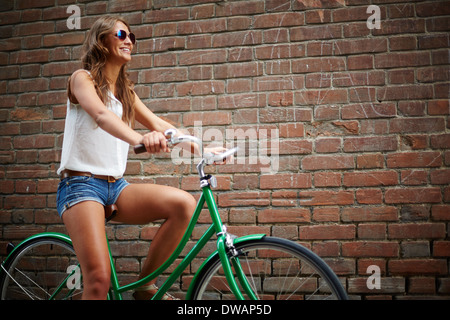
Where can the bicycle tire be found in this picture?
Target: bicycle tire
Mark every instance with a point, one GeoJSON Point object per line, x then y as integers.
{"type": "Point", "coordinates": [311, 279]}
{"type": "Point", "coordinates": [37, 268]}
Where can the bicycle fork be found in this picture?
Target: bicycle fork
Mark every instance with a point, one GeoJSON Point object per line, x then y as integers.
{"type": "Point", "coordinates": [224, 245]}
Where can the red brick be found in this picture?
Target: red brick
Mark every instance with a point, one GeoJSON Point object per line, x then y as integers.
{"type": "Point", "coordinates": [280, 99]}
{"type": "Point", "coordinates": [441, 248]}
{"type": "Point", "coordinates": [327, 162]}
{"type": "Point", "coordinates": [165, 15]}
{"type": "Point", "coordinates": [327, 145]}
{"type": "Point", "coordinates": [417, 267]}
{"type": "Point", "coordinates": [327, 232]}
{"type": "Point", "coordinates": [205, 57]}
{"type": "Point", "coordinates": [368, 213]}
{"type": "Point", "coordinates": [285, 181]}
{"type": "Point", "coordinates": [238, 38]}
{"type": "Point", "coordinates": [413, 195]}
{"type": "Point", "coordinates": [327, 179]}
{"type": "Point", "coordinates": [440, 212]}
{"type": "Point", "coordinates": [314, 97]}
{"type": "Point", "coordinates": [346, 47]}
{"type": "Point", "coordinates": [414, 177]}
{"type": "Point", "coordinates": [275, 83]}
{"type": "Point", "coordinates": [326, 198]}
{"type": "Point", "coordinates": [244, 199]}
{"type": "Point", "coordinates": [309, 65]}
{"type": "Point", "coordinates": [358, 144]}
{"type": "Point", "coordinates": [40, 27]}
{"type": "Point", "coordinates": [441, 141]}
{"type": "Point", "coordinates": [161, 44]}
{"type": "Point", "coordinates": [277, 20]}
{"type": "Point", "coordinates": [372, 231]}
{"type": "Point", "coordinates": [416, 231]}
{"type": "Point", "coordinates": [205, 26]}
{"type": "Point", "coordinates": [370, 249]}
{"type": "Point", "coordinates": [19, 86]}
{"type": "Point", "coordinates": [351, 79]}
{"type": "Point", "coordinates": [360, 62]}
{"type": "Point", "coordinates": [441, 176]}
{"type": "Point", "coordinates": [291, 130]}
{"type": "Point", "coordinates": [370, 179]}
{"type": "Point", "coordinates": [289, 215]}
{"type": "Point", "coordinates": [248, 69]}
{"type": "Point", "coordinates": [164, 75]}
{"type": "Point", "coordinates": [414, 160]}
{"type": "Point", "coordinates": [422, 285]}
{"type": "Point", "coordinates": [370, 161]}
{"type": "Point", "coordinates": [438, 107]}
{"type": "Point", "coordinates": [315, 32]}
{"type": "Point", "coordinates": [369, 196]}
{"type": "Point", "coordinates": [401, 26]}
{"type": "Point", "coordinates": [289, 147]}
{"type": "Point", "coordinates": [209, 118]}
{"type": "Point", "coordinates": [432, 9]}
{"type": "Point", "coordinates": [330, 214]}
{"type": "Point", "coordinates": [200, 88]}
{"type": "Point", "coordinates": [402, 59]}
{"type": "Point", "coordinates": [244, 100]}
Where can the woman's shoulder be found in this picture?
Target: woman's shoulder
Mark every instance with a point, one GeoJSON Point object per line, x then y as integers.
{"type": "Point", "coordinates": [78, 77]}
{"type": "Point", "coordinates": [86, 73]}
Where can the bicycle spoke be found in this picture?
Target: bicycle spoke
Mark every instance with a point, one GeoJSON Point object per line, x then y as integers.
{"type": "Point", "coordinates": [283, 270]}
{"type": "Point", "coordinates": [37, 270]}
{"type": "Point", "coordinates": [254, 288]}
{"type": "Point", "coordinates": [33, 282]}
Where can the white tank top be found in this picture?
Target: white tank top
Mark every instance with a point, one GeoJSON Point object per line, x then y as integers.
{"type": "Point", "coordinates": [88, 148]}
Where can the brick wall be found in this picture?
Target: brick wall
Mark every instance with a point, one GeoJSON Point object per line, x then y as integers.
{"type": "Point", "coordinates": [360, 116]}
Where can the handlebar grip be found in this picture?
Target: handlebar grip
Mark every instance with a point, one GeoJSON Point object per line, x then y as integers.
{"type": "Point", "coordinates": [140, 148]}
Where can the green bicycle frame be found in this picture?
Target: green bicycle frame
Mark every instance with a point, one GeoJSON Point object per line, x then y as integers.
{"type": "Point", "coordinates": [215, 228]}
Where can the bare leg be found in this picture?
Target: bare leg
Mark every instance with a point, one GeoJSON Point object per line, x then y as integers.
{"type": "Point", "coordinates": [143, 203]}
{"type": "Point", "coordinates": [85, 223]}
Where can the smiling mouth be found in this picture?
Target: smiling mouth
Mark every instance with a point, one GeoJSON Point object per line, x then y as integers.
{"type": "Point", "coordinates": [128, 50]}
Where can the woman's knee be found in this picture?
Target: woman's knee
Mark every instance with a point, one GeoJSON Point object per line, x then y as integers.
{"type": "Point", "coordinates": [185, 204]}
{"type": "Point", "coordinates": [97, 283]}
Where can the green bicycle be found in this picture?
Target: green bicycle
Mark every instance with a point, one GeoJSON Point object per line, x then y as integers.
{"type": "Point", "coordinates": [257, 267]}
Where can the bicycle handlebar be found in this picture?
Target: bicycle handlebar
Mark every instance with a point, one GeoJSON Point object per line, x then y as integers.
{"type": "Point", "coordinates": [171, 141]}
{"type": "Point", "coordinates": [209, 158]}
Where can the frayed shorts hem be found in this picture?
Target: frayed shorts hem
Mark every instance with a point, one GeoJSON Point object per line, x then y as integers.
{"type": "Point", "coordinates": [74, 190]}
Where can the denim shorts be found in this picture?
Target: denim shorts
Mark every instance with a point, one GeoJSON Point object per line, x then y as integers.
{"type": "Point", "coordinates": [73, 190]}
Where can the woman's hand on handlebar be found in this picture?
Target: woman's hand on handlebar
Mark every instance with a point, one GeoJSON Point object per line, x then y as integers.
{"type": "Point", "coordinates": [155, 142]}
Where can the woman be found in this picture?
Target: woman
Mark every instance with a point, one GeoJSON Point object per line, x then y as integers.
{"type": "Point", "coordinates": [101, 107]}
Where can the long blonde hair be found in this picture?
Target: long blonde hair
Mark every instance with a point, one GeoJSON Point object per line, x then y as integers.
{"type": "Point", "coordinates": [94, 59]}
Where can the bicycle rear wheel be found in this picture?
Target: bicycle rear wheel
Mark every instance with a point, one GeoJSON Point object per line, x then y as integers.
{"type": "Point", "coordinates": [41, 268]}
{"type": "Point", "coordinates": [275, 269]}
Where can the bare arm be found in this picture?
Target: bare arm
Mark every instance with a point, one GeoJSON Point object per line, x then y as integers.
{"type": "Point", "coordinates": [84, 91]}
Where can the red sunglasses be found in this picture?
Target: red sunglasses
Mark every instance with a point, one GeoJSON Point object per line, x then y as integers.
{"type": "Point", "coordinates": [122, 35]}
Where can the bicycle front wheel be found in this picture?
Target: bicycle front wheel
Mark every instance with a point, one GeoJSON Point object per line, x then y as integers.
{"type": "Point", "coordinates": [44, 268]}
{"type": "Point", "coordinates": [275, 269]}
